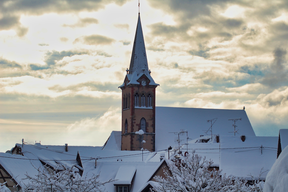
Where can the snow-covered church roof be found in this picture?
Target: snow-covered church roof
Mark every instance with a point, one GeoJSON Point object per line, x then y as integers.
{"type": "Point", "coordinates": [138, 64]}
{"type": "Point", "coordinates": [170, 121]}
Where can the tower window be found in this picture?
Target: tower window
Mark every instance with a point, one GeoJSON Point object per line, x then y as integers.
{"type": "Point", "coordinates": [136, 99]}
{"type": "Point", "coordinates": [126, 127]}
{"type": "Point", "coordinates": [143, 99]}
{"type": "Point", "coordinates": [143, 124]}
{"type": "Point", "coordinates": [149, 100]}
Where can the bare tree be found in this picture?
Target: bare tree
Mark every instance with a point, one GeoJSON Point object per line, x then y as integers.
{"type": "Point", "coordinates": [193, 173]}
{"type": "Point", "coordinates": [68, 179]}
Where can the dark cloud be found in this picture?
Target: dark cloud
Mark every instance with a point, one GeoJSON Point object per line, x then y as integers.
{"type": "Point", "coordinates": [95, 40]}
{"type": "Point", "coordinates": [233, 23]}
{"type": "Point", "coordinates": [9, 64]}
{"type": "Point", "coordinates": [11, 10]}
{"type": "Point", "coordinates": [277, 73]}
{"type": "Point", "coordinates": [83, 22]}
{"type": "Point", "coordinates": [33, 7]}
{"type": "Point", "coordinates": [7, 22]}
{"type": "Point", "coordinates": [53, 56]}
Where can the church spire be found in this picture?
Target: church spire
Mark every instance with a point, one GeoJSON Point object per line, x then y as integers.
{"type": "Point", "coordinates": [138, 63]}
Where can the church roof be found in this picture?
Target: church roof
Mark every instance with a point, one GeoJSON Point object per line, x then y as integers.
{"type": "Point", "coordinates": [172, 120]}
{"type": "Point", "coordinates": [138, 64]}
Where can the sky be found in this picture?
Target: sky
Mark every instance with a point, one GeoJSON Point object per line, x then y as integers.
{"type": "Point", "coordinates": [61, 62]}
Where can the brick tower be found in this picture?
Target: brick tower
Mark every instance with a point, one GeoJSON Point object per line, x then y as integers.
{"type": "Point", "coordinates": [138, 100]}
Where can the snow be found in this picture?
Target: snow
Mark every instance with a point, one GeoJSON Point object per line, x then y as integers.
{"type": "Point", "coordinates": [140, 132]}
{"type": "Point", "coordinates": [171, 120]}
{"type": "Point", "coordinates": [247, 159]}
{"type": "Point", "coordinates": [277, 178]}
{"type": "Point", "coordinates": [113, 142]}
{"type": "Point", "coordinates": [125, 175]}
{"type": "Point", "coordinates": [18, 166]}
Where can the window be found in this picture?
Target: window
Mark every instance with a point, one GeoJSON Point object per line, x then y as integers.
{"type": "Point", "coordinates": [128, 103]}
{"type": "Point", "coordinates": [124, 102]}
{"type": "Point", "coordinates": [143, 98]}
{"type": "Point", "coordinates": [143, 124]}
{"type": "Point", "coordinates": [136, 100]}
{"type": "Point", "coordinates": [123, 188]}
{"type": "Point", "coordinates": [149, 101]}
{"type": "Point", "coordinates": [126, 127]}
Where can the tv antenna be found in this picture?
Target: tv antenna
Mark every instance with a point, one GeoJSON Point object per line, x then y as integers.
{"type": "Point", "coordinates": [212, 121]}
{"type": "Point", "coordinates": [182, 132]}
{"type": "Point", "coordinates": [234, 125]}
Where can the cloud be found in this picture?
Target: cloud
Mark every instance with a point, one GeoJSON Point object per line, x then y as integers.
{"type": "Point", "coordinates": [96, 129]}
{"type": "Point", "coordinates": [8, 22]}
{"type": "Point", "coordinates": [52, 57]}
{"type": "Point", "coordinates": [92, 86]}
{"type": "Point", "coordinates": [95, 40]}
{"type": "Point", "coordinates": [83, 22]}
{"type": "Point", "coordinates": [110, 120]}
{"type": "Point", "coordinates": [9, 64]}
{"type": "Point", "coordinates": [122, 26]}
{"type": "Point", "coordinates": [277, 74]}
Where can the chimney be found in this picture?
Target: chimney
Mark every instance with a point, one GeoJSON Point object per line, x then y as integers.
{"type": "Point", "coordinates": [66, 147]}
{"type": "Point", "coordinates": [162, 156]}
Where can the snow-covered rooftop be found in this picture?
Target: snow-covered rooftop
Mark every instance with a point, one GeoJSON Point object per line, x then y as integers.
{"type": "Point", "coordinates": [170, 121]}
{"type": "Point", "coordinates": [249, 158]}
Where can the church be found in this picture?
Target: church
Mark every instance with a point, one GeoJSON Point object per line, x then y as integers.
{"type": "Point", "coordinates": [149, 136]}
{"type": "Point", "coordinates": [157, 125]}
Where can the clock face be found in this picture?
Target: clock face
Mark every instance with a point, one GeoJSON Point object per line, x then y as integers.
{"type": "Point", "coordinates": [143, 82]}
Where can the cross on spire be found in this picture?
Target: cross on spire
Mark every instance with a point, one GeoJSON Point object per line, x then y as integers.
{"type": "Point", "coordinates": [138, 6]}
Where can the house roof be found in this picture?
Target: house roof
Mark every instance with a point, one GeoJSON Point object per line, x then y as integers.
{"type": "Point", "coordinates": [249, 158]}
{"type": "Point", "coordinates": [18, 166]}
{"type": "Point", "coordinates": [171, 120]}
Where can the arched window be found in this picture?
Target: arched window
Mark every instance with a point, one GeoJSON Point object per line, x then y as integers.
{"type": "Point", "coordinates": [124, 100]}
{"type": "Point", "coordinates": [149, 98]}
{"type": "Point", "coordinates": [143, 99]}
{"type": "Point", "coordinates": [126, 127]}
{"type": "Point", "coordinates": [128, 104]}
{"type": "Point", "coordinates": [143, 124]}
{"type": "Point", "coordinates": [136, 100]}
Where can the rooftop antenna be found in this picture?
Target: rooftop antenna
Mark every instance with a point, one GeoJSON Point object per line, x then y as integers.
{"type": "Point", "coordinates": [179, 139]}
{"type": "Point", "coordinates": [212, 121]}
{"type": "Point", "coordinates": [234, 125]}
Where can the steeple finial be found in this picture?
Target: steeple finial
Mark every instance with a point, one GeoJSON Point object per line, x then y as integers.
{"type": "Point", "coordinates": [139, 7]}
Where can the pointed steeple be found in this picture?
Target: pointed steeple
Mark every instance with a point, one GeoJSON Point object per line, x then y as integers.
{"type": "Point", "coordinates": [138, 63]}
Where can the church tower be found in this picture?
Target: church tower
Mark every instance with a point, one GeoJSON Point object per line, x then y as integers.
{"type": "Point", "coordinates": [138, 100]}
